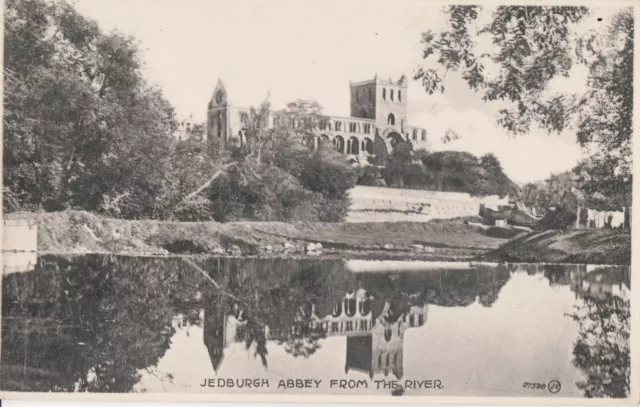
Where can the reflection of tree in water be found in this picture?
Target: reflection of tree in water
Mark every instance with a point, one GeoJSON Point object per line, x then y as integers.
{"type": "Point", "coordinates": [90, 323]}
{"type": "Point", "coordinates": [602, 350]}
{"type": "Point", "coordinates": [276, 297]}
{"type": "Point", "coordinates": [287, 300]}
{"type": "Point", "coordinates": [447, 288]}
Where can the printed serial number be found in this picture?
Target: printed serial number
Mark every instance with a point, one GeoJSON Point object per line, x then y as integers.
{"type": "Point", "coordinates": [534, 386]}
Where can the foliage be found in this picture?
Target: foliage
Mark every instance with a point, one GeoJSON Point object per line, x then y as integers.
{"type": "Point", "coordinates": [602, 347]}
{"type": "Point", "coordinates": [81, 125]}
{"type": "Point", "coordinates": [560, 218]}
{"type": "Point", "coordinates": [83, 130]}
{"type": "Point", "coordinates": [91, 323]}
{"type": "Point", "coordinates": [588, 185]}
{"type": "Point", "coordinates": [97, 323]}
{"type": "Point", "coordinates": [399, 159]}
{"type": "Point", "coordinates": [530, 46]}
{"type": "Point", "coordinates": [280, 175]}
{"type": "Point", "coordinates": [450, 171]}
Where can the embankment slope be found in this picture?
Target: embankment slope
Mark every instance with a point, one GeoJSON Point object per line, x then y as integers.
{"type": "Point", "coordinates": [590, 246]}
{"type": "Point", "coordinates": [83, 232]}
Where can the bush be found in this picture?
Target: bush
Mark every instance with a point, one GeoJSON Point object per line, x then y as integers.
{"type": "Point", "coordinates": [330, 176]}
{"type": "Point", "coordinates": [369, 176]}
{"type": "Point", "coordinates": [558, 219]}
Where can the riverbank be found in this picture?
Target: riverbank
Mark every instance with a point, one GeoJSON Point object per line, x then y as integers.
{"type": "Point", "coordinates": [588, 246]}
{"type": "Point", "coordinates": [438, 240]}
{"type": "Point", "coordinates": [83, 232]}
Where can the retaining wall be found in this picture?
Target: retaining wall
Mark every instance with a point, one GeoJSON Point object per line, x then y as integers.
{"type": "Point", "coordinates": [376, 204]}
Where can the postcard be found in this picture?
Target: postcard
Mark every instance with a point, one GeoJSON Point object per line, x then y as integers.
{"type": "Point", "coordinates": [358, 201]}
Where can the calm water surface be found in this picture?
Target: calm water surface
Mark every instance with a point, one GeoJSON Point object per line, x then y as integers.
{"type": "Point", "coordinates": [131, 324]}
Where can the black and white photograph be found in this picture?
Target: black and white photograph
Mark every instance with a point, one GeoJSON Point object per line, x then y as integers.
{"type": "Point", "coordinates": [355, 201]}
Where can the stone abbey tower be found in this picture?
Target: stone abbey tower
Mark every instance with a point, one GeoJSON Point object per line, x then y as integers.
{"type": "Point", "coordinates": [378, 119]}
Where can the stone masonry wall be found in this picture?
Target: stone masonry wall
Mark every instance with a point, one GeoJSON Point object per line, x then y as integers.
{"type": "Point", "coordinates": [374, 204]}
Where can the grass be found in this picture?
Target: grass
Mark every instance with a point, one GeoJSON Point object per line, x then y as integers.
{"type": "Point", "coordinates": [83, 232]}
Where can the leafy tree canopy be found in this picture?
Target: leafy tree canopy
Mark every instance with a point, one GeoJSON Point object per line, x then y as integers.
{"type": "Point", "coordinates": [514, 56]}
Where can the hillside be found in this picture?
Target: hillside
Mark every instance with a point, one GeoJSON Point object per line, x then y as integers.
{"type": "Point", "coordinates": [83, 232]}
{"type": "Point", "coordinates": [444, 171]}
{"type": "Point", "coordinates": [591, 246]}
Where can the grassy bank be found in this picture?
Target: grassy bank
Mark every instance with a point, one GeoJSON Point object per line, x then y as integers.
{"type": "Point", "coordinates": [83, 232]}
{"type": "Point", "coordinates": [592, 246]}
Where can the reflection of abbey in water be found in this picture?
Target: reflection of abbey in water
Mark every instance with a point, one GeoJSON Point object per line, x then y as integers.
{"type": "Point", "coordinates": [374, 330]}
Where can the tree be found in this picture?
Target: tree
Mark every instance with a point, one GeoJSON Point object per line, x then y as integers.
{"type": "Point", "coordinates": [82, 129]}
{"type": "Point", "coordinates": [281, 172]}
{"type": "Point", "coordinates": [399, 160]}
{"type": "Point", "coordinates": [532, 46]}
{"type": "Point", "coordinates": [463, 172]}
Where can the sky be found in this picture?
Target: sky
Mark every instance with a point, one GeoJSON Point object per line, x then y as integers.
{"type": "Point", "coordinates": [311, 50]}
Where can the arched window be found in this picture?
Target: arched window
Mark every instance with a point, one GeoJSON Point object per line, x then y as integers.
{"type": "Point", "coordinates": [350, 304]}
{"type": "Point", "coordinates": [366, 307]}
{"type": "Point", "coordinates": [399, 96]}
{"type": "Point", "coordinates": [415, 134]}
{"type": "Point", "coordinates": [339, 141]}
{"type": "Point", "coordinates": [370, 95]}
{"type": "Point", "coordinates": [337, 308]}
{"type": "Point", "coordinates": [391, 120]}
{"type": "Point", "coordinates": [219, 97]}
{"type": "Point", "coordinates": [424, 135]}
{"type": "Point", "coordinates": [387, 334]}
{"type": "Point", "coordinates": [219, 128]}
{"type": "Point", "coordinates": [353, 146]}
{"type": "Point", "coordinates": [384, 93]}
{"type": "Point", "coordinates": [368, 146]}
{"type": "Point", "coordinates": [391, 94]}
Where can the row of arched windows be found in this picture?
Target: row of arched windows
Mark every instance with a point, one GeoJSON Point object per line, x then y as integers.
{"type": "Point", "coordinates": [423, 136]}
{"type": "Point", "coordinates": [387, 359]}
{"type": "Point", "coordinates": [353, 127]}
{"type": "Point", "coordinates": [361, 325]}
{"type": "Point", "coordinates": [391, 94]}
{"type": "Point", "coordinates": [352, 146]}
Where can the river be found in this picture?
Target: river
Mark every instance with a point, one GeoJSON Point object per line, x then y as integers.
{"type": "Point", "coordinates": [103, 323]}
